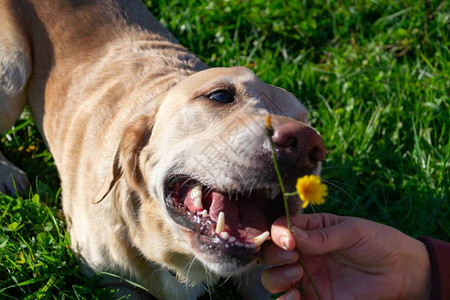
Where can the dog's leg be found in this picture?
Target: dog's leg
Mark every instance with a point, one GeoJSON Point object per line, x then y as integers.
{"type": "Point", "coordinates": [15, 69]}
{"type": "Point", "coordinates": [12, 178]}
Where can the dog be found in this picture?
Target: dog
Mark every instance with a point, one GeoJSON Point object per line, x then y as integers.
{"type": "Point", "coordinates": [165, 164]}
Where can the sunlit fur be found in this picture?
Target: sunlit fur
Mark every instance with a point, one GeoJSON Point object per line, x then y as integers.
{"type": "Point", "coordinates": [121, 106]}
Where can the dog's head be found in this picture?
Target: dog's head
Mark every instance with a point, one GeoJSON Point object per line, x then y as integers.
{"type": "Point", "coordinates": [203, 163]}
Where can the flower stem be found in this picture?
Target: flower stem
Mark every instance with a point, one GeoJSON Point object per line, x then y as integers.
{"type": "Point", "coordinates": [269, 131]}
{"type": "Point", "coordinates": [300, 260]}
{"type": "Point", "coordinates": [280, 180]}
{"type": "Point", "coordinates": [291, 194]}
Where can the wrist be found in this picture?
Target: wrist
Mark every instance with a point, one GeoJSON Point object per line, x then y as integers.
{"type": "Point", "coordinates": [417, 280]}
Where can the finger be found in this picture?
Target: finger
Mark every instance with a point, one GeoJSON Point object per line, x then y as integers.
{"type": "Point", "coordinates": [315, 221]}
{"type": "Point", "coordinates": [272, 255]}
{"type": "Point", "coordinates": [278, 279]}
{"type": "Point", "coordinates": [293, 294]}
{"type": "Point", "coordinates": [281, 235]}
{"type": "Point", "coordinates": [320, 241]}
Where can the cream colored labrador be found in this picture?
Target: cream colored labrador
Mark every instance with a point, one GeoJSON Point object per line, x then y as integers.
{"type": "Point", "coordinates": [165, 165]}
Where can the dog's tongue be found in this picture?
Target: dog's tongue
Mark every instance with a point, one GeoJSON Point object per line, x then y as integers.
{"type": "Point", "coordinates": [217, 202]}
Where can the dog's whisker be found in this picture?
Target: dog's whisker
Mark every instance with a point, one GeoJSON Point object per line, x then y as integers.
{"type": "Point", "coordinates": [208, 191]}
{"type": "Point", "coordinates": [208, 283]}
{"type": "Point", "coordinates": [224, 281]}
{"type": "Point", "coordinates": [185, 182]}
{"type": "Point", "coordinates": [331, 183]}
{"type": "Point", "coordinates": [187, 268]}
{"type": "Point", "coordinates": [336, 182]}
{"type": "Point", "coordinates": [336, 167]}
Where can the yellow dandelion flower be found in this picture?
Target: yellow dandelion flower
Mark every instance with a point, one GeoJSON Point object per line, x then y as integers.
{"type": "Point", "coordinates": [311, 190]}
{"type": "Point", "coordinates": [268, 123]}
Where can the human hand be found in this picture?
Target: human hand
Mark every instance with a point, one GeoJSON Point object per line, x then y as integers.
{"type": "Point", "coordinates": [347, 258]}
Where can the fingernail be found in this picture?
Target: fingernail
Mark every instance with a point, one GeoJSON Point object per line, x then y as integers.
{"type": "Point", "coordinates": [300, 233]}
{"type": "Point", "coordinates": [291, 295]}
{"type": "Point", "coordinates": [292, 273]}
{"type": "Point", "coordinates": [285, 242]}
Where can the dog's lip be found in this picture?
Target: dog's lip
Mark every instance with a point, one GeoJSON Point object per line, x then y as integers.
{"type": "Point", "coordinates": [245, 227]}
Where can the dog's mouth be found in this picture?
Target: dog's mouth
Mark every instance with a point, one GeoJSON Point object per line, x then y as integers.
{"type": "Point", "coordinates": [230, 224]}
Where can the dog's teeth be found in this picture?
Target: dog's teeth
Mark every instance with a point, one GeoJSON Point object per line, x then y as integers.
{"type": "Point", "coordinates": [196, 195]}
{"type": "Point", "coordinates": [250, 246]}
{"type": "Point", "coordinates": [261, 238]}
{"type": "Point", "coordinates": [220, 223]}
{"type": "Point", "coordinates": [196, 191]}
{"type": "Point", "coordinates": [232, 239]}
{"type": "Point", "coordinates": [198, 203]}
{"type": "Point", "coordinates": [239, 244]}
{"type": "Point", "coordinates": [224, 235]}
{"type": "Point", "coordinates": [204, 213]}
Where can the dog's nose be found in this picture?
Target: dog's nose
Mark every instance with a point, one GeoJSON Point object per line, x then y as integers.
{"type": "Point", "coordinates": [298, 143]}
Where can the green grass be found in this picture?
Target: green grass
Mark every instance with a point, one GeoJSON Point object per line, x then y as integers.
{"type": "Point", "coordinates": [375, 75]}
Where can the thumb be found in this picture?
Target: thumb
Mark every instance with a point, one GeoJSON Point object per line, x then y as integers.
{"type": "Point", "coordinates": [337, 237]}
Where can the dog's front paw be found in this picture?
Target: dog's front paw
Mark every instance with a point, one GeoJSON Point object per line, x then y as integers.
{"type": "Point", "coordinates": [12, 179]}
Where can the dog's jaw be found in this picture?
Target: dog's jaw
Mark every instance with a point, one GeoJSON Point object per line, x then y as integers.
{"type": "Point", "coordinates": [224, 230]}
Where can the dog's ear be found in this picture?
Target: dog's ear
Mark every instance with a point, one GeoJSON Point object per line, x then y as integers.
{"type": "Point", "coordinates": [126, 158]}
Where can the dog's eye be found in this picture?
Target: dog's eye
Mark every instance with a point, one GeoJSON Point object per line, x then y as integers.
{"type": "Point", "coordinates": [221, 96]}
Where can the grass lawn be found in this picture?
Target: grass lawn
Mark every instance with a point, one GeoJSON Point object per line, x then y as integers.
{"type": "Point", "coordinates": [375, 75]}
